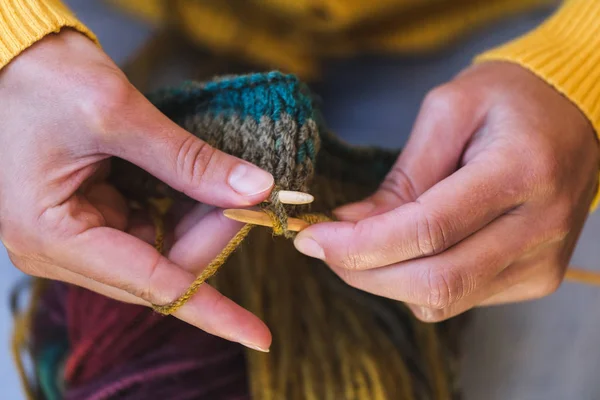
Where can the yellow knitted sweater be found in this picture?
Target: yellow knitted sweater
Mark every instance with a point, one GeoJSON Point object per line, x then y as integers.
{"type": "Point", "coordinates": [297, 35]}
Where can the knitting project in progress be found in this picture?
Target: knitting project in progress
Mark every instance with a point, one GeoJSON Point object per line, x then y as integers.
{"type": "Point", "coordinates": [331, 341]}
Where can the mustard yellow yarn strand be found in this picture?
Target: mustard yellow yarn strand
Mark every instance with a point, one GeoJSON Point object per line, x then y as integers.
{"type": "Point", "coordinates": [321, 352]}
{"type": "Point", "coordinates": [278, 227]}
{"type": "Point", "coordinates": [21, 329]}
{"type": "Point", "coordinates": [346, 371]}
{"type": "Point", "coordinates": [377, 386]}
{"type": "Point", "coordinates": [432, 351]}
{"type": "Point", "coordinates": [315, 218]}
{"type": "Point", "coordinates": [158, 210]}
{"type": "Point", "coordinates": [209, 271]}
{"type": "Point", "coordinates": [309, 390]}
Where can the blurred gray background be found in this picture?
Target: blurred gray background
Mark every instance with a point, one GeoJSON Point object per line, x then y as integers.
{"type": "Point", "coordinates": [546, 349]}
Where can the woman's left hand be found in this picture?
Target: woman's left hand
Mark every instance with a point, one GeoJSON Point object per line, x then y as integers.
{"type": "Point", "coordinates": [484, 205]}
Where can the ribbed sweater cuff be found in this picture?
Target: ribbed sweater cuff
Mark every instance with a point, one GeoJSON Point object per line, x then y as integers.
{"type": "Point", "coordinates": [565, 52]}
{"type": "Point", "coordinates": [24, 22]}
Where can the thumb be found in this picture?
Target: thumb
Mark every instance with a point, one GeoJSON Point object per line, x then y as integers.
{"type": "Point", "coordinates": [446, 121]}
{"type": "Point", "coordinates": [153, 142]}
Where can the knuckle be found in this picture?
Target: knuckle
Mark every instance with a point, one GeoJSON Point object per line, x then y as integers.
{"type": "Point", "coordinates": [351, 257]}
{"type": "Point", "coordinates": [544, 168]}
{"type": "Point", "coordinates": [555, 225]}
{"type": "Point", "coordinates": [548, 283]}
{"type": "Point", "coordinates": [548, 168]}
{"type": "Point", "coordinates": [18, 241]}
{"type": "Point", "coordinates": [399, 185]}
{"type": "Point", "coordinates": [194, 159]}
{"type": "Point", "coordinates": [146, 294]}
{"type": "Point", "coordinates": [14, 243]}
{"type": "Point", "coordinates": [21, 263]}
{"type": "Point", "coordinates": [68, 220]}
{"type": "Point", "coordinates": [349, 277]}
{"type": "Point", "coordinates": [443, 99]}
{"type": "Point", "coordinates": [352, 261]}
{"type": "Point", "coordinates": [105, 98]}
{"type": "Point", "coordinates": [443, 287]}
{"type": "Point", "coordinates": [147, 291]}
{"type": "Point", "coordinates": [431, 235]}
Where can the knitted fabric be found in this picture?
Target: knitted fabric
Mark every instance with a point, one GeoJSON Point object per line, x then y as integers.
{"type": "Point", "coordinates": [331, 341]}
{"type": "Point", "coordinates": [263, 118]}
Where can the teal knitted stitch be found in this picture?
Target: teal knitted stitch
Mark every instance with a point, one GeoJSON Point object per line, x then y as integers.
{"type": "Point", "coordinates": [272, 94]}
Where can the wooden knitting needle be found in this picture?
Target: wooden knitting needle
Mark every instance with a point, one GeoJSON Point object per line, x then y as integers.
{"type": "Point", "coordinates": [292, 197]}
{"type": "Point", "coordinates": [260, 218]}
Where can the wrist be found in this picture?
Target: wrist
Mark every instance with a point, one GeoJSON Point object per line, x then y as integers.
{"type": "Point", "coordinates": [58, 60]}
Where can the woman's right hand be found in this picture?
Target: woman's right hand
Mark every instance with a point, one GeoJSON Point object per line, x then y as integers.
{"type": "Point", "coordinates": [66, 109]}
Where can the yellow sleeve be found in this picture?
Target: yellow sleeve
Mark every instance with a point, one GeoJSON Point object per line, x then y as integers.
{"type": "Point", "coordinates": [24, 22]}
{"type": "Point", "coordinates": [565, 52]}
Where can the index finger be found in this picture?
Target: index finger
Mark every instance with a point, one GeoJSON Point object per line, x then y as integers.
{"type": "Point", "coordinates": [450, 211]}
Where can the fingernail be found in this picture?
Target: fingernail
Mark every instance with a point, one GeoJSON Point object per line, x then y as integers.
{"type": "Point", "coordinates": [255, 347]}
{"type": "Point", "coordinates": [355, 210]}
{"type": "Point", "coordinates": [248, 180]}
{"type": "Point", "coordinates": [309, 246]}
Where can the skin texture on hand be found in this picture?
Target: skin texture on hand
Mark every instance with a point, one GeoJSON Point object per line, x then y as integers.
{"type": "Point", "coordinates": [66, 109]}
{"type": "Point", "coordinates": [484, 205]}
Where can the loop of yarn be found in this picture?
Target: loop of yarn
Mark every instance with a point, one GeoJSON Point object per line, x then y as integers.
{"type": "Point", "coordinates": [279, 216]}
{"type": "Point", "coordinates": [277, 213]}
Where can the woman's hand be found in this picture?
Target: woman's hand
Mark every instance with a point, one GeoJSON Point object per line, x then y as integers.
{"type": "Point", "coordinates": [484, 205]}
{"type": "Point", "coordinates": [66, 108]}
